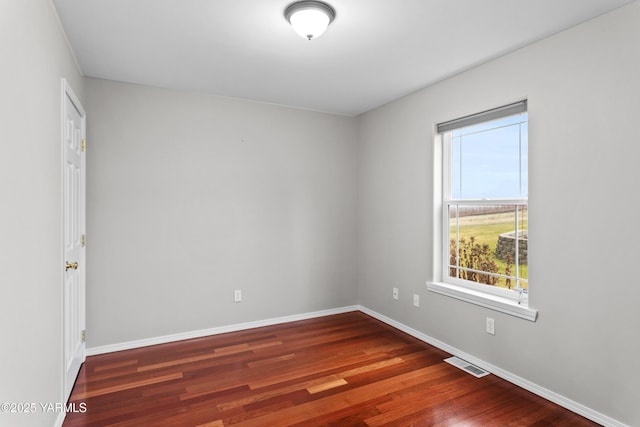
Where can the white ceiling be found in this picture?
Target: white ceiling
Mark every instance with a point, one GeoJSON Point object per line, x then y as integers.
{"type": "Point", "coordinates": [375, 51]}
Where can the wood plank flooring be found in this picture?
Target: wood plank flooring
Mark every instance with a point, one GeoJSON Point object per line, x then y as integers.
{"type": "Point", "coordinates": [342, 370]}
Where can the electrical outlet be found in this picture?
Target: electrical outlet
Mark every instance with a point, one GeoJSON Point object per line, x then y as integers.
{"type": "Point", "coordinates": [395, 293]}
{"type": "Point", "coordinates": [237, 295]}
{"type": "Point", "coordinates": [416, 300]}
{"type": "Point", "coordinates": [491, 326]}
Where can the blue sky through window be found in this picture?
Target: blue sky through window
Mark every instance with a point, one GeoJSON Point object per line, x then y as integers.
{"type": "Point", "coordinates": [489, 160]}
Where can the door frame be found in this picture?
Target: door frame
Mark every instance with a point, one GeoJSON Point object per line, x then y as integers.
{"type": "Point", "coordinates": [67, 91]}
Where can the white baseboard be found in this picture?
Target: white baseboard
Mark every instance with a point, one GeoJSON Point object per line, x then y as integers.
{"type": "Point", "coordinates": [512, 378]}
{"type": "Point", "coordinates": [506, 375]}
{"type": "Point", "coordinates": [128, 345]}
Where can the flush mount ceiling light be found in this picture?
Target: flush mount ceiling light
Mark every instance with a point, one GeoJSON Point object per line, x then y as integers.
{"type": "Point", "coordinates": [309, 18]}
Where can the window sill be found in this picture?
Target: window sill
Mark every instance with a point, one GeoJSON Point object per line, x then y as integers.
{"type": "Point", "coordinates": [492, 302]}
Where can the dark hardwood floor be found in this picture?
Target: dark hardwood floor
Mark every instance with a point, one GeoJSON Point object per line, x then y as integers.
{"type": "Point", "coordinates": [348, 369]}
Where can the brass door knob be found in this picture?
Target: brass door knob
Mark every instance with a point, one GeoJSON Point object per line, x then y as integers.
{"type": "Point", "coordinates": [70, 265]}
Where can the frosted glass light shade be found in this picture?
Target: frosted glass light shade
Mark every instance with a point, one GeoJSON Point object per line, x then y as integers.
{"type": "Point", "coordinates": [309, 23]}
{"type": "Point", "coordinates": [309, 18]}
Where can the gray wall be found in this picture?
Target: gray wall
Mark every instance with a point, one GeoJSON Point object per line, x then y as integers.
{"type": "Point", "coordinates": [34, 57]}
{"type": "Point", "coordinates": [192, 196]}
{"type": "Point", "coordinates": [584, 103]}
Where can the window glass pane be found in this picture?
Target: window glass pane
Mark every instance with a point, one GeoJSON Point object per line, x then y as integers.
{"type": "Point", "coordinates": [486, 243]}
{"type": "Point", "coordinates": [488, 160]}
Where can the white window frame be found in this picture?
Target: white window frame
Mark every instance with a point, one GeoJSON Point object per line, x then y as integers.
{"type": "Point", "coordinates": [508, 301]}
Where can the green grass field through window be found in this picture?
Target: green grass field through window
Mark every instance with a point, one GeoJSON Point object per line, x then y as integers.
{"type": "Point", "coordinates": [486, 228]}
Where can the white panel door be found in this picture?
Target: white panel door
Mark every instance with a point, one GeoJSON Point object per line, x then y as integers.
{"type": "Point", "coordinates": [73, 136]}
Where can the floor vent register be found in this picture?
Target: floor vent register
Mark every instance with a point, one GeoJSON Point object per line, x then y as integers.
{"type": "Point", "coordinates": [466, 366]}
